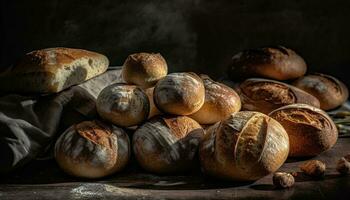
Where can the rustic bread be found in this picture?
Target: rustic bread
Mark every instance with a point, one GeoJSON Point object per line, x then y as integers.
{"type": "Point", "coordinates": [153, 111]}
{"type": "Point", "coordinates": [168, 144]}
{"type": "Point", "coordinates": [179, 93]}
{"type": "Point", "coordinates": [123, 105]}
{"type": "Point", "coordinates": [245, 147]}
{"type": "Point", "coordinates": [144, 69]}
{"type": "Point", "coordinates": [92, 149]}
{"type": "Point", "coordinates": [328, 90]}
{"type": "Point", "coordinates": [220, 102]}
{"type": "Point", "coordinates": [278, 63]}
{"type": "Point", "coordinates": [265, 95]}
{"type": "Point", "coordinates": [52, 70]}
{"type": "Point", "coordinates": [311, 131]}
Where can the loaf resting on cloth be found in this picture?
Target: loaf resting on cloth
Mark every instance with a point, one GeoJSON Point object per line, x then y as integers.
{"type": "Point", "coordinates": [29, 124]}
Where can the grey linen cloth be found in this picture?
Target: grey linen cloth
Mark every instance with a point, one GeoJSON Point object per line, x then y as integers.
{"type": "Point", "coordinates": [29, 124]}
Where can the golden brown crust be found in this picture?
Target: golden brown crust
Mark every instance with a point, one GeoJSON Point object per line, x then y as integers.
{"type": "Point", "coordinates": [311, 131]}
{"type": "Point", "coordinates": [220, 102]}
{"type": "Point", "coordinates": [245, 147]}
{"type": "Point", "coordinates": [278, 63]}
{"type": "Point", "coordinates": [265, 95]}
{"type": "Point", "coordinates": [144, 69]}
{"type": "Point", "coordinates": [328, 90]}
{"type": "Point", "coordinates": [179, 93]}
{"type": "Point", "coordinates": [167, 144]}
{"type": "Point", "coordinates": [153, 108]}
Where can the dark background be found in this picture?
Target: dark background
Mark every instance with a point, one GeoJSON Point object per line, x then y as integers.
{"type": "Point", "coordinates": [193, 35]}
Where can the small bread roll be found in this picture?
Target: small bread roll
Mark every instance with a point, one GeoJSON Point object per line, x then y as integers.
{"type": "Point", "coordinates": [328, 90]}
{"type": "Point", "coordinates": [278, 63]}
{"type": "Point", "coordinates": [123, 105]}
{"type": "Point", "coordinates": [144, 69]}
{"type": "Point", "coordinates": [245, 147]}
{"type": "Point", "coordinates": [92, 149]}
{"type": "Point", "coordinates": [311, 131]}
{"type": "Point", "coordinates": [153, 108]}
{"type": "Point", "coordinates": [265, 95]}
{"type": "Point", "coordinates": [220, 102]}
{"type": "Point", "coordinates": [179, 93]}
{"type": "Point", "coordinates": [167, 144]}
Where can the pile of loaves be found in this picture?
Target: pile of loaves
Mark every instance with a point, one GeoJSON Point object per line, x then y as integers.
{"type": "Point", "coordinates": [180, 118]}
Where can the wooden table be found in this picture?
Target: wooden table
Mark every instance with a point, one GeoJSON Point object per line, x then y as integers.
{"type": "Point", "coordinates": [44, 180]}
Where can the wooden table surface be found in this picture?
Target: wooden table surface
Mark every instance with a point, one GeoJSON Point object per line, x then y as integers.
{"type": "Point", "coordinates": [44, 180]}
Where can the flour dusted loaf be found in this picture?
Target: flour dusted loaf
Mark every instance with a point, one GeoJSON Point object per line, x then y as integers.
{"type": "Point", "coordinates": [245, 147]}
{"type": "Point", "coordinates": [144, 69]}
{"type": "Point", "coordinates": [52, 70]}
{"type": "Point", "coordinates": [92, 149]}
{"type": "Point", "coordinates": [265, 95]}
{"type": "Point", "coordinates": [279, 63]}
{"type": "Point", "coordinates": [311, 131]}
{"type": "Point", "coordinates": [220, 102]}
{"type": "Point", "coordinates": [328, 90]}
{"type": "Point", "coordinates": [123, 105]}
{"type": "Point", "coordinates": [179, 93]}
{"type": "Point", "coordinates": [167, 144]}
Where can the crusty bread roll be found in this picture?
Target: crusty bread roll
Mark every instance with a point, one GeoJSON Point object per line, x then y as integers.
{"type": "Point", "coordinates": [153, 108]}
{"type": "Point", "coordinates": [144, 69]}
{"type": "Point", "coordinates": [245, 147]}
{"type": "Point", "coordinates": [179, 93]}
{"type": "Point", "coordinates": [123, 105]}
{"type": "Point", "coordinates": [52, 70]}
{"type": "Point", "coordinates": [265, 95]}
{"type": "Point", "coordinates": [220, 102]}
{"type": "Point", "coordinates": [278, 63]}
{"type": "Point", "coordinates": [92, 149]}
{"type": "Point", "coordinates": [311, 131]}
{"type": "Point", "coordinates": [167, 144]}
{"type": "Point", "coordinates": [328, 90]}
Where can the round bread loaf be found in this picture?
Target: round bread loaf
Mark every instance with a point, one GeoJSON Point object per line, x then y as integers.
{"type": "Point", "coordinates": [328, 90]}
{"type": "Point", "coordinates": [179, 93]}
{"type": "Point", "coordinates": [278, 63]}
{"type": "Point", "coordinates": [153, 108]}
{"type": "Point", "coordinates": [245, 147]}
{"type": "Point", "coordinates": [92, 149]}
{"type": "Point", "coordinates": [265, 95]}
{"type": "Point", "coordinates": [123, 105]}
{"type": "Point", "coordinates": [220, 102]}
{"type": "Point", "coordinates": [311, 131]}
{"type": "Point", "coordinates": [144, 69]}
{"type": "Point", "coordinates": [168, 144]}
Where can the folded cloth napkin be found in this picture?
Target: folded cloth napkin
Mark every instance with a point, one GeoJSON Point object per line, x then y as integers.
{"type": "Point", "coordinates": [29, 124]}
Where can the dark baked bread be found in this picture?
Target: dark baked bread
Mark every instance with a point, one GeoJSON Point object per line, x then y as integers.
{"type": "Point", "coordinates": [265, 95]}
{"type": "Point", "coordinates": [311, 131]}
{"type": "Point", "coordinates": [278, 63]}
{"type": "Point", "coordinates": [328, 90]}
{"type": "Point", "coordinates": [245, 147]}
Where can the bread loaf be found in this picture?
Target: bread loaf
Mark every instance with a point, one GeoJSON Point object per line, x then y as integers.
{"type": "Point", "coordinates": [220, 102]}
{"type": "Point", "coordinates": [265, 95]}
{"type": "Point", "coordinates": [123, 105]}
{"type": "Point", "coordinates": [92, 149]}
{"type": "Point", "coordinates": [328, 90]}
{"type": "Point", "coordinates": [278, 63]}
{"type": "Point", "coordinates": [167, 144]}
{"type": "Point", "coordinates": [52, 70]}
{"type": "Point", "coordinates": [153, 108]}
{"type": "Point", "coordinates": [311, 131]}
{"type": "Point", "coordinates": [179, 93]}
{"type": "Point", "coordinates": [144, 69]}
{"type": "Point", "coordinates": [245, 147]}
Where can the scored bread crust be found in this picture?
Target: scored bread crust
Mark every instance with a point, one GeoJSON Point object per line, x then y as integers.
{"type": "Point", "coordinates": [52, 70]}
{"type": "Point", "coordinates": [328, 90]}
{"type": "Point", "coordinates": [278, 63]}
{"type": "Point", "coordinates": [245, 147]}
{"type": "Point", "coordinates": [311, 131]}
{"type": "Point", "coordinates": [265, 95]}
